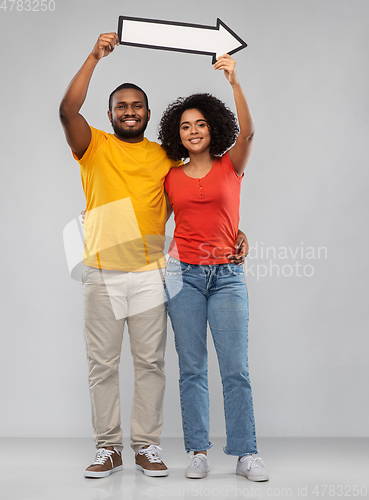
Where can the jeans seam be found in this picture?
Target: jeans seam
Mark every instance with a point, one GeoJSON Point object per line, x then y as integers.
{"type": "Point", "coordinates": [185, 438]}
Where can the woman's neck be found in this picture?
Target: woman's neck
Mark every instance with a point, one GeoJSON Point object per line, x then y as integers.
{"type": "Point", "coordinates": [200, 162]}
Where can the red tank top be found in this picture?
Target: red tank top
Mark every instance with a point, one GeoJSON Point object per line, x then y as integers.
{"type": "Point", "coordinates": [206, 213]}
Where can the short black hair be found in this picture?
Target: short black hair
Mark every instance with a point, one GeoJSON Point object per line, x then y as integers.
{"type": "Point", "coordinates": [220, 119]}
{"type": "Point", "coordinates": [128, 86]}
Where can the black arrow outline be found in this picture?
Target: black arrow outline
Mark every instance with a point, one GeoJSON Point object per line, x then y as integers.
{"type": "Point", "coordinates": [172, 23]}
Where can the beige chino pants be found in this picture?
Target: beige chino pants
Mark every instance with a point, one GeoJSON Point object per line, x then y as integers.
{"type": "Point", "coordinates": [110, 299]}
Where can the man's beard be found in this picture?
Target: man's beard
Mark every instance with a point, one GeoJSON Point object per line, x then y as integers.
{"type": "Point", "coordinates": [128, 133]}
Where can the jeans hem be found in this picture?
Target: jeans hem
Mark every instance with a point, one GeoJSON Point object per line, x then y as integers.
{"type": "Point", "coordinates": [238, 453]}
{"type": "Point", "coordinates": [189, 450]}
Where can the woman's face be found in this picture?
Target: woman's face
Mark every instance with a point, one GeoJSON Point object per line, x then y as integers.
{"type": "Point", "coordinates": [194, 131]}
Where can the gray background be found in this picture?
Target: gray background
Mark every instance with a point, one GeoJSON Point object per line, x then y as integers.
{"type": "Point", "coordinates": [305, 74]}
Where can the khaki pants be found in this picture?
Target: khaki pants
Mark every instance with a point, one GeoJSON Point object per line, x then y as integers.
{"type": "Point", "coordinates": [110, 299]}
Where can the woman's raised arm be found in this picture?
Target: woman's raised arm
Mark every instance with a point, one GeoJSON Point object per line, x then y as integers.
{"type": "Point", "coordinates": [241, 150]}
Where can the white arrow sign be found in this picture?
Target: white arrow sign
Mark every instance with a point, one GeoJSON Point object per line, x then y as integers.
{"type": "Point", "coordinates": [180, 37]}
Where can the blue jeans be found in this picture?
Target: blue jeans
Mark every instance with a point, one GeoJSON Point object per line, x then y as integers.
{"type": "Point", "coordinates": [196, 295]}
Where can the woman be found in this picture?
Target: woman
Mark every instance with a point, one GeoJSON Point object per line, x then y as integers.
{"type": "Point", "coordinates": [201, 283]}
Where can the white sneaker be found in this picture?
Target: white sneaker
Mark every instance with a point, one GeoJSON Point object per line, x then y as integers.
{"type": "Point", "coordinates": [197, 467]}
{"type": "Point", "coordinates": [252, 468]}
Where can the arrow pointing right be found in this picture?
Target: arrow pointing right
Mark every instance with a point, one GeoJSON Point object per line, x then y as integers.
{"type": "Point", "coordinates": [180, 37]}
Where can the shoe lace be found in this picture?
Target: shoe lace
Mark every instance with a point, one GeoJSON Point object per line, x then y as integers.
{"type": "Point", "coordinates": [152, 453]}
{"type": "Point", "coordinates": [253, 462]}
{"type": "Point", "coordinates": [102, 455]}
{"type": "Point", "coordinates": [197, 460]}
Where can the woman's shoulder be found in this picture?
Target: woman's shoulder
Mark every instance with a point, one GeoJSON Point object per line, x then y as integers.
{"type": "Point", "coordinates": [226, 163]}
{"type": "Point", "coordinates": [175, 171]}
{"type": "Point", "coordinates": [225, 159]}
{"type": "Point", "coordinates": [173, 178]}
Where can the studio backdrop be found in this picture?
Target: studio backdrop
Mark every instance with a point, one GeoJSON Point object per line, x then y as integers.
{"type": "Point", "coordinates": [304, 207]}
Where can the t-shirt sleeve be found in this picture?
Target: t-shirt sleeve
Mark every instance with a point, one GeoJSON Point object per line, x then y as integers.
{"type": "Point", "coordinates": [167, 183]}
{"type": "Point", "coordinates": [170, 183]}
{"type": "Point", "coordinates": [173, 164]}
{"type": "Point", "coordinates": [227, 161]}
{"type": "Point", "coordinates": [98, 137]}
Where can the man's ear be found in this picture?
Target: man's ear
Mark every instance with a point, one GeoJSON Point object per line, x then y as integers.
{"type": "Point", "coordinates": [109, 115]}
{"type": "Point", "coordinates": [148, 114]}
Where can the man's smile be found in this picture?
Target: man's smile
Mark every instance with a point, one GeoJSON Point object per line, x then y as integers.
{"type": "Point", "coordinates": [130, 121]}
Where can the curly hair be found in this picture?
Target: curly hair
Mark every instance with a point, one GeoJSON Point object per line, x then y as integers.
{"type": "Point", "coordinates": [220, 119]}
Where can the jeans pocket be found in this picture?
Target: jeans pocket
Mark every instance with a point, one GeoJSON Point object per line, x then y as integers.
{"type": "Point", "coordinates": [176, 267]}
{"type": "Point", "coordinates": [235, 270]}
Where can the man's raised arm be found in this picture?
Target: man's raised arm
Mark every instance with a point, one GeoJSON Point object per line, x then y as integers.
{"type": "Point", "coordinates": [76, 129]}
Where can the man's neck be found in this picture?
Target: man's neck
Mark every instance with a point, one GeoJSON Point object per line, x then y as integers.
{"type": "Point", "coordinates": [131, 140]}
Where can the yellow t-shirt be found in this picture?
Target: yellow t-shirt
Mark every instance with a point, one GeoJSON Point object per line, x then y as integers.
{"type": "Point", "coordinates": [125, 203]}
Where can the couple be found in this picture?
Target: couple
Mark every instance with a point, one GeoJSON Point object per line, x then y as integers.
{"type": "Point", "coordinates": [123, 178]}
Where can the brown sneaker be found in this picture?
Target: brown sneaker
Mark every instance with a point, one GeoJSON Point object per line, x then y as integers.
{"type": "Point", "coordinates": [107, 461]}
{"type": "Point", "coordinates": [149, 461]}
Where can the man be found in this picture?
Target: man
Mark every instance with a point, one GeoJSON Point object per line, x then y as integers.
{"type": "Point", "coordinates": [123, 180]}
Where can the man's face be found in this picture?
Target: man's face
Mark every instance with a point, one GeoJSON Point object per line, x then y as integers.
{"type": "Point", "coordinates": [129, 115]}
